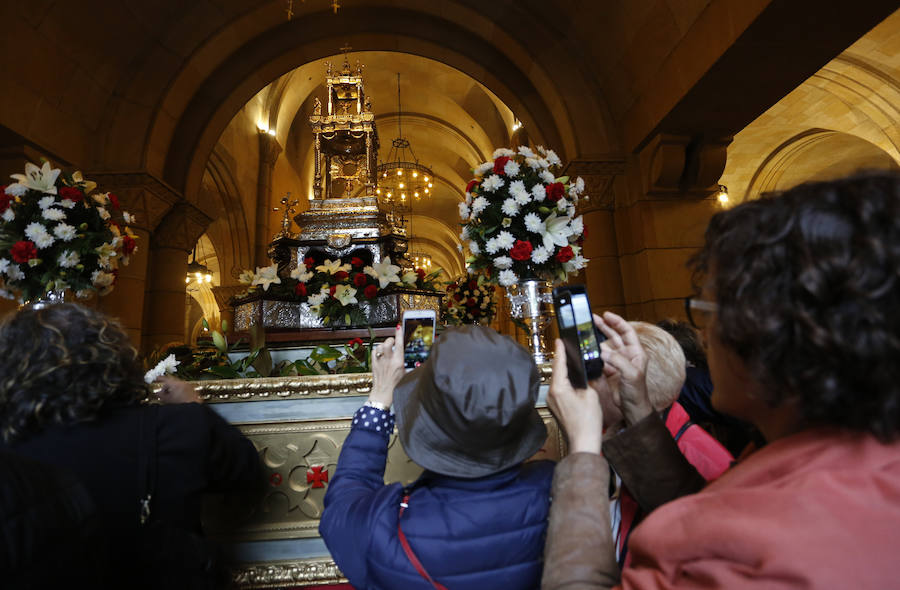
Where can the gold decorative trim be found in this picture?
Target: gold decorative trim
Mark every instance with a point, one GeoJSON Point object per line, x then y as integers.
{"type": "Point", "coordinates": [276, 575]}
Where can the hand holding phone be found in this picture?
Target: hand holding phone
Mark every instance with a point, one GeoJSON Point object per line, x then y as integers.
{"type": "Point", "coordinates": [418, 336]}
{"type": "Point", "coordinates": [579, 335]}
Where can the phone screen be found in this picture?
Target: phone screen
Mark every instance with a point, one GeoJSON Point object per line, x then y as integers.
{"type": "Point", "coordinates": [418, 338]}
{"type": "Point", "coordinates": [584, 322]}
{"type": "Point", "coordinates": [568, 331]}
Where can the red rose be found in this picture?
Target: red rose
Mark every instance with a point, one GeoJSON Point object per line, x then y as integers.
{"type": "Point", "coordinates": [341, 275]}
{"type": "Point", "coordinates": [472, 184]}
{"type": "Point", "coordinates": [521, 250]}
{"type": "Point", "coordinates": [473, 284]}
{"type": "Point", "coordinates": [499, 163]}
{"type": "Point", "coordinates": [357, 262]}
{"type": "Point", "coordinates": [565, 254]}
{"type": "Point", "coordinates": [128, 245]}
{"type": "Point", "coordinates": [114, 200]}
{"type": "Point", "coordinates": [371, 291]}
{"type": "Point", "coordinates": [420, 273]}
{"type": "Point", "coordinates": [300, 290]}
{"type": "Point", "coordinates": [309, 262]}
{"type": "Point", "coordinates": [360, 279]}
{"type": "Point", "coordinates": [355, 342]}
{"type": "Point", "coordinates": [458, 296]}
{"type": "Point", "coordinates": [556, 191]}
{"type": "Point", "coordinates": [332, 290]}
{"type": "Point", "coordinates": [72, 193]}
{"type": "Point", "coordinates": [23, 251]}
{"type": "Point", "coordinates": [471, 302]}
{"type": "Point", "coordinates": [5, 201]}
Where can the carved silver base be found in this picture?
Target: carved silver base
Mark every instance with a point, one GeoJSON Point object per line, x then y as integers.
{"type": "Point", "coordinates": [532, 302]}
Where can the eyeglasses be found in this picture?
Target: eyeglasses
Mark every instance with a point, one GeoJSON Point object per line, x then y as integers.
{"type": "Point", "coordinates": [699, 311]}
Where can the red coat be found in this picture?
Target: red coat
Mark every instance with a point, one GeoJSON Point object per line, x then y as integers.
{"type": "Point", "coordinates": [819, 509]}
{"type": "Point", "coordinates": [701, 450]}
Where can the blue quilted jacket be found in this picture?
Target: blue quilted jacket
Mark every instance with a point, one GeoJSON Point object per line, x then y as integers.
{"type": "Point", "coordinates": [468, 533]}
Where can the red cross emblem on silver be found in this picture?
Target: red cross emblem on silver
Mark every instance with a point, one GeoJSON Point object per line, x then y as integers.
{"type": "Point", "coordinates": [316, 475]}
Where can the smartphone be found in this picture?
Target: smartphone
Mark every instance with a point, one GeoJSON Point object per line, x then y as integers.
{"type": "Point", "coordinates": [581, 338]}
{"type": "Point", "coordinates": [418, 336]}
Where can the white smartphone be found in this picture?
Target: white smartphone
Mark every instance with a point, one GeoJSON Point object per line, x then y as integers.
{"type": "Point", "coordinates": [418, 336]}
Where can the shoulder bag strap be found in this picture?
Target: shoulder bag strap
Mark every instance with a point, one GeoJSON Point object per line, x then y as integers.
{"type": "Point", "coordinates": [404, 504]}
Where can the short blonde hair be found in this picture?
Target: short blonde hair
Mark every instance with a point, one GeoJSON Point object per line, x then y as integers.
{"type": "Point", "coordinates": [665, 364]}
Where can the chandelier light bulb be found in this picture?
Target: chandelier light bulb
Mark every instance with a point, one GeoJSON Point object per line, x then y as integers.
{"type": "Point", "coordinates": [416, 174]}
{"type": "Point", "coordinates": [401, 185]}
{"type": "Point", "coordinates": [430, 185]}
{"type": "Point", "coordinates": [399, 172]}
{"type": "Point", "coordinates": [426, 191]}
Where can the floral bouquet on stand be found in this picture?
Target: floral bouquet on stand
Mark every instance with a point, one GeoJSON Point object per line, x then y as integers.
{"type": "Point", "coordinates": [335, 288]}
{"type": "Point", "coordinates": [519, 221]}
{"type": "Point", "coordinates": [470, 300]}
{"type": "Point", "coordinates": [57, 234]}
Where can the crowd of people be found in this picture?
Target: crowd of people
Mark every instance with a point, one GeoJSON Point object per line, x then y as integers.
{"type": "Point", "coordinates": [791, 352]}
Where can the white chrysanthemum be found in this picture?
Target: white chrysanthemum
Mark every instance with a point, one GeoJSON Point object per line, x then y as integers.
{"type": "Point", "coordinates": [505, 240]}
{"type": "Point", "coordinates": [4, 265]}
{"type": "Point", "coordinates": [16, 190]}
{"type": "Point", "coordinates": [464, 234]}
{"type": "Point", "coordinates": [479, 205]}
{"type": "Point", "coordinates": [532, 163]}
{"type": "Point", "coordinates": [570, 210]}
{"type": "Point", "coordinates": [44, 240]}
{"type": "Point", "coordinates": [35, 229]}
{"type": "Point", "coordinates": [68, 259]}
{"type": "Point", "coordinates": [8, 215]}
{"type": "Point", "coordinates": [67, 204]}
{"type": "Point", "coordinates": [503, 152]}
{"type": "Point", "coordinates": [503, 262]}
{"type": "Point", "coordinates": [47, 201]}
{"type": "Point", "coordinates": [510, 207]}
{"type": "Point", "coordinates": [507, 278]}
{"type": "Point", "coordinates": [547, 176]}
{"type": "Point", "coordinates": [104, 214]}
{"type": "Point", "coordinates": [64, 231]}
{"type": "Point", "coordinates": [534, 224]}
{"type": "Point", "coordinates": [15, 273]}
{"type": "Point", "coordinates": [511, 168]}
{"type": "Point", "coordinates": [464, 212]}
{"type": "Point", "coordinates": [539, 192]}
{"type": "Point", "coordinates": [552, 158]}
{"type": "Point", "coordinates": [482, 169]}
{"type": "Point", "coordinates": [577, 225]}
{"type": "Point", "coordinates": [317, 299]}
{"type": "Point", "coordinates": [246, 277]}
{"type": "Point", "coordinates": [518, 191]}
{"type": "Point", "coordinates": [542, 150]}
{"type": "Point", "coordinates": [575, 264]}
{"type": "Point", "coordinates": [491, 246]}
{"type": "Point", "coordinates": [524, 150]}
{"type": "Point", "coordinates": [53, 214]}
{"type": "Point", "coordinates": [492, 183]}
{"type": "Point", "coordinates": [473, 248]}
{"type": "Point", "coordinates": [459, 248]}
{"type": "Point", "coordinates": [539, 255]}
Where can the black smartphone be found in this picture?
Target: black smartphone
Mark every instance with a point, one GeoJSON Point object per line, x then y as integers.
{"type": "Point", "coordinates": [418, 336]}
{"type": "Point", "coordinates": [581, 338]}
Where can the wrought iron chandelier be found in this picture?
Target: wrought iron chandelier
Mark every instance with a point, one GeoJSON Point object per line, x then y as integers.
{"type": "Point", "coordinates": [401, 178]}
{"type": "Point", "coordinates": [196, 271]}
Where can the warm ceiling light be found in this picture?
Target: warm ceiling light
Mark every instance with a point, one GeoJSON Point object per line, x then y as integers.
{"type": "Point", "coordinates": [401, 185]}
{"type": "Point", "coordinates": [399, 172]}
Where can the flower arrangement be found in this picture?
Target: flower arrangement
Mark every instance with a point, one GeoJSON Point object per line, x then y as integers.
{"type": "Point", "coordinates": [335, 288]}
{"type": "Point", "coordinates": [57, 234]}
{"type": "Point", "coordinates": [470, 300]}
{"type": "Point", "coordinates": [519, 219]}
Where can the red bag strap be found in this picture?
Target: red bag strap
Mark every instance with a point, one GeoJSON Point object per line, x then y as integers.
{"type": "Point", "coordinates": [404, 504]}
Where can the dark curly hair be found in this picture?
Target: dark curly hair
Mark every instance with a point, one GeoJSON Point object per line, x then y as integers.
{"type": "Point", "coordinates": [63, 364]}
{"type": "Point", "coordinates": [808, 287]}
{"type": "Point", "coordinates": [689, 340]}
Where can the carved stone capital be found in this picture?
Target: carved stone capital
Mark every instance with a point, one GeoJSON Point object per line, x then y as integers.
{"type": "Point", "coordinates": [142, 194]}
{"type": "Point", "coordinates": [269, 148]}
{"type": "Point", "coordinates": [224, 294]}
{"type": "Point", "coordinates": [598, 176]}
{"type": "Point", "coordinates": [181, 227]}
{"type": "Point", "coordinates": [682, 165]}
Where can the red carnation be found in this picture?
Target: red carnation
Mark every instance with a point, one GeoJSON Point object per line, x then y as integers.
{"type": "Point", "coordinates": [371, 291]}
{"type": "Point", "coordinates": [5, 201]}
{"type": "Point", "coordinates": [458, 296]}
{"type": "Point", "coordinates": [309, 262]}
{"type": "Point", "coordinates": [521, 250]}
{"type": "Point", "coordinates": [500, 163]}
{"type": "Point", "coordinates": [472, 184]}
{"type": "Point", "coordinates": [72, 193]}
{"type": "Point", "coordinates": [23, 251]}
{"type": "Point", "coordinates": [473, 284]}
{"type": "Point", "coordinates": [471, 302]}
{"type": "Point", "coordinates": [355, 342]}
{"type": "Point", "coordinates": [341, 275]}
{"type": "Point", "coordinates": [128, 245]}
{"type": "Point", "coordinates": [114, 200]}
{"type": "Point", "coordinates": [332, 290]}
{"type": "Point", "coordinates": [300, 290]}
{"type": "Point", "coordinates": [357, 262]}
{"type": "Point", "coordinates": [565, 254]}
{"type": "Point", "coordinates": [556, 191]}
{"type": "Point", "coordinates": [360, 279]}
{"type": "Point", "coordinates": [420, 273]}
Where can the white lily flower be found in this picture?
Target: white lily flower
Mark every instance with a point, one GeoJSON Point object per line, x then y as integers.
{"type": "Point", "coordinates": [346, 294]}
{"type": "Point", "coordinates": [385, 272]}
{"type": "Point", "coordinates": [266, 275]}
{"type": "Point", "coordinates": [333, 266]}
{"type": "Point", "coordinates": [317, 300]}
{"type": "Point", "coordinates": [101, 279]}
{"type": "Point", "coordinates": [41, 179]}
{"type": "Point", "coordinates": [101, 199]}
{"type": "Point", "coordinates": [410, 278]}
{"type": "Point", "coordinates": [104, 214]}
{"type": "Point", "coordinates": [301, 274]}
{"type": "Point", "coordinates": [575, 264]}
{"type": "Point", "coordinates": [246, 277]}
{"type": "Point", "coordinates": [556, 231]}
{"type": "Point", "coordinates": [88, 185]}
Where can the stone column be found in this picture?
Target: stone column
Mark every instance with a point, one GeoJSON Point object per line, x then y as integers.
{"type": "Point", "coordinates": [171, 244]}
{"type": "Point", "coordinates": [148, 199]}
{"type": "Point", "coordinates": [268, 154]}
{"type": "Point", "coordinates": [663, 206]}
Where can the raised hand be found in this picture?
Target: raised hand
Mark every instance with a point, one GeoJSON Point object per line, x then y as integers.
{"type": "Point", "coordinates": [578, 410]}
{"type": "Point", "coordinates": [625, 362]}
{"type": "Point", "coordinates": [387, 369]}
{"type": "Point", "coordinates": [176, 391]}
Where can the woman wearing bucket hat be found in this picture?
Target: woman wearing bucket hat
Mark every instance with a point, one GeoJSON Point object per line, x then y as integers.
{"type": "Point", "coordinates": [476, 517]}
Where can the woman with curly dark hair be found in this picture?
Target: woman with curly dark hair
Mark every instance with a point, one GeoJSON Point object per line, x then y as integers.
{"type": "Point", "coordinates": [799, 302]}
{"type": "Point", "coordinates": [70, 392]}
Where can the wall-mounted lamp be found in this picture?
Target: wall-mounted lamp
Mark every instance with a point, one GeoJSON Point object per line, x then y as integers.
{"type": "Point", "coordinates": [722, 194]}
{"type": "Point", "coordinates": [516, 125]}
